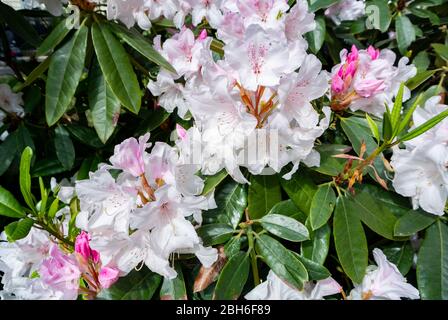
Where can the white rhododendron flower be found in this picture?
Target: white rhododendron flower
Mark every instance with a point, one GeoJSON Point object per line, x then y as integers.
{"type": "Point", "coordinates": [140, 216]}
{"type": "Point", "coordinates": [257, 96]}
{"type": "Point", "coordinates": [345, 10]}
{"type": "Point", "coordinates": [383, 282]}
{"type": "Point", "coordinates": [276, 289]}
{"type": "Point", "coordinates": [421, 169]}
{"type": "Point", "coordinates": [367, 79]}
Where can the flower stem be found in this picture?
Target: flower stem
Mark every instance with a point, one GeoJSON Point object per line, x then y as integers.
{"type": "Point", "coordinates": [253, 256]}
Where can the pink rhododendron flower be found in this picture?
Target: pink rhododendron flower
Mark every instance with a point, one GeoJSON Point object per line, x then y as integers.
{"type": "Point", "coordinates": [108, 276]}
{"type": "Point", "coordinates": [82, 247]}
{"type": "Point", "coordinates": [129, 155]}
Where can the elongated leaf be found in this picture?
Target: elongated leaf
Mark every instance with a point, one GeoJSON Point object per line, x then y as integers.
{"type": "Point", "coordinates": [37, 72]}
{"type": "Point", "coordinates": [103, 103]}
{"type": "Point", "coordinates": [9, 206]}
{"type": "Point", "coordinates": [232, 278]}
{"type": "Point", "coordinates": [233, 246]}
{"type": "Point", "coordinates": [315, 270]}
{"type": "Point", "coordinates": [54, 38]}
{"type": "Point", "coordinates": [322, 206]}
{"type": "Point", "coordinates": [320, 4]}
{"type": "Point", "coordinates": [85, 135]}
{"type": "Point", "coordinates": [282, 261]}
{"type": "Point", "coordinates": [301, 189]}
{"type": "Point", "coordinates": [289, 209]}
{"type": "Point", "coordinates": [387, 127]}
{"type": "Point", "coordinates": [174, 289]}
{"type": "Point", "coordinates": [441, 50]}
{"type": "Point", "coordinates": [19, 24]}
{"type": "Point", "coordinates": [64, 73]}
{"type": "Point", "coordinates": [396, 110]}
{"type": "Point", "coordinates": [285, 227]}
{"type": "Point", "coordinates": [407, 117]}
{"type": "Point", "coordinates": [350, 241]}
{"type": "Point", "coordinates": [379, 219]}
{"type": "Point", "coordinates": [137, 285]}
{"type": "Point", "coordinates": [212, 234]}
{"type": "Point", "coordinates": [432, 263]}
{"type": "Point", "coordinates": [378, 14]}
{"type": "Point", "coordinates": [25, 177]}
{"type": "Point", "coordinates": [405, 32]}
{"type": "Point", "coordinates": [412, 222]}
{"type": "Point", "coordinates": [18, 229]}
{"type": "Point", "coordinates": [141, 44]}
{"type": "Point", "coordinates": [391, 201]}
{"type": "Point", "coordinates": [65, 150]}
{"type": "Point", "coordinates": [8, 151]}
{"type": "Point", "coordinates": [47, 167]}
{"type": "Point", "coordinates": [425, 126]}
{"type": "Point", "coordinates": [419, 78]}
{"type": "Point", "coordinates": [316, 249]}
{"type": "Point", "coordinates": [330, 165]}
{"type": "Point", "coordinates": [373, 127]}
{"type": "Point", "coordinates": [264, 193]}
{"type": "Point", "coordinates": [316, 37]}
{"type": "Point", "coordinates": [231, 200]}
{"type": "Point", "coordinates": [116, 67]}
{"type": "Point", "coordinates": [211, 182]}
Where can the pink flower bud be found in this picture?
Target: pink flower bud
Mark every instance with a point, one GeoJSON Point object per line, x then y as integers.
{"type": "Point", "coordinates": [202, 35]}
{"type": "Point", "coordinates": [82, 247]}
{"type": "Point", "coordinates": [337, 84]}
{"type": "Point", "coordinates": [181, 132]}
{"type": "Point", "coordinates": [374, 53]}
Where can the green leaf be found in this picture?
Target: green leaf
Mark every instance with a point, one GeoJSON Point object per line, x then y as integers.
{"type": "Point", "coordinates": [232, 278]}
{"type": "Point", "coordinates": [85, 135]}
{"type": "Point", "coordinates": [137, 41]}
{"type": "Point", "coordinates": [412, 222]}
{"type": "Point", "coordinates": [65, 150]}
{"type": "Point", "coordinates": [233, 246]}
{"type": "Point", "coordinates": [387, 127]}
{"type": "Point", "coordinates": [64, 73]}
{"type": "Point", "coordinates": [103, 103]}
{"type": "Point", "coordinates": [301, 189]}
{"type": "Point", "coordinates": [441, 50]}
{"type": "Point", "coordinates": [407, 117]}
{"type": "Point", "coordinates": [322, 206]}
{"type": "Point", "coordinates": [432, 263]}
{"type": "Point", "coordinates": [231, 200]}
{"type": "Point", "coordinates": [211, 182]}
{"type": "Point", "coordinates": [317, 248]}
{"type": "Point", "coordinates": [391, 201]}
{"type": "Point", "coordinates": [54, 38]}
{"type": "Point", "coordinates": [9, 206]}
{"type": "Point", "coordinates": [420, 77]}
{"type": "Point", "coordinates": [282, 261]}
{"type": "Point", "coordinates": [357, 131]}
{"type": "Point", "coordinates": [44, 197]}
{"type": "Point", "coordinates": [18, 229]}
{"type": "Point", "coordinates": [174, 289]}
{"type": "Point", "coordinates": [264, 193]}
{"type": "Point", "coordinates": [379, 219]}
{"type": "Point", "coordinates": [378, 14]}
{"type": "Point", "coordinates": [316, 37]}
{"type": "Point", "coordinates": [116, 67]}
{"type": "Point", "coordinates": [285, 227]}
{"type": "Point", "coordinates": [425, 126]}
{"type": "Point", "coordinates": [54, 207]}
{"type": "Point", "coordinates": [330, 165]}
{"type": "Point", "coordinates": [217, 233]}
{"type": "Point", "coordinates": [421, 62]}
{"type": "Point", "coordinates": [405, 32]}
{"type": "Point", "coordinates": [400, 254]}
{"type": "Point", "coordinates": [8, 151]}
{"type": "Point", "coordinates": [152, 120]}
{"type": "Point", "coordinates": [19, 24]}
{"type": "Point", "coordinates": [25, 177]}
{"type": "Point", "coordinates": [320, 4]}
{"type": "Point", "coordinates": [396, 110]}
{"type": "Point", "coordinates": [47, 167]}
{"type": "Point", "coordinates": [289, 209]}
{"type": "Point", "coordinates": [315, 270]}
{"type": "Point", "coordinates": [137, 285]}
{"type": "Point", "coordinates": [37, 72]}
{"type": "Point", "coordinates": [373, 127]}
{"type": "Point", "coordinates": [350, 241]}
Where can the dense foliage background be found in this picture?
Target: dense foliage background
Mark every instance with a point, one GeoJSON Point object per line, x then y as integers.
{"type": "Point", "coordinates": [84, 91]}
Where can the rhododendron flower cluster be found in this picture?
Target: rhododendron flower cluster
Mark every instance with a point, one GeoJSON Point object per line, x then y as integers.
{"type": "Point", "coordinates": [367, 80]}
{"type": "Point", "coordinates": [140, 216]}
{"type": "Point", "coordinates": [421, 170]}
{"type": "Point", "coordinates": [253, 92]}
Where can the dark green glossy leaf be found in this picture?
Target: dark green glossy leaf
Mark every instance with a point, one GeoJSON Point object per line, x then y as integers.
{"type": "Point", "coordinates": [9, 206]}
{"type": "Point", "coordinates": [289, 209]}
{"type": "Point", "coordinates": [315, 270]}
{"type": "Point", "coordinates": [330, 165]}
{"type": "Point", "coordinates": [54, 38]}
{"type": "Point", "coordinates": [85, 135]}
{"type": "Point", "coordinates": [8, 151]}
{"type": "Point", "coordinates": [400, 254]}
{"type": "Point", "coordinates": [217, 233]}
{"type": "Point", "coordinates": [316, 249]}
{"type": "Point", "coordinates": [301, 189]}
{"type": "Point", "coordinates": [316, 37]}
{"type": "Point", "coordinates": [232, 278]}
{"type": "Point", "coordinates": [19, 24]}
{"type": "Point", "coordinates": [412, 222]}
{"type": "Point", "coordinates": [264, 193]}
{"type": "Point", "coordinates": [18, 229]}
{"type": "Point", "coordinates": [419, 78]}
{"type": "Point", "coordinates": [25, 177]}
{"type": "Point", "coordinates": [350, 241]}
{"type": "Point", "coordinates": [211, 182]}
{"type": "Point", "coordinates": [432, 263]}
{"type": "Point", "coordinates": [322, 206]}
{"type": "Point", "coordinates": [285, 227]}
{"type": "Point", "coordinates": [65, 150]}
{"type": "Point", "coordinates": [441, 50]}
{"type": "Point", "coordinates": [405, 32]}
